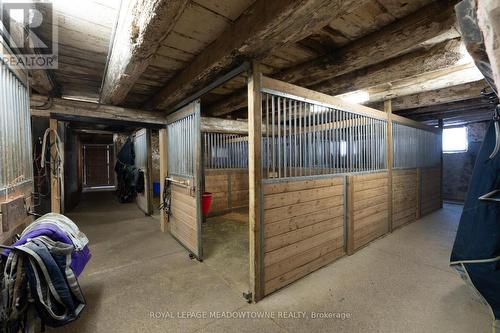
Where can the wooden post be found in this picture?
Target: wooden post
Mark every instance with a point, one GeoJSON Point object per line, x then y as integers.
{"type": "Point", "coordinates": [390, 158]}
{"type": "Point", "coordinates": [441, 126]}
{"type": "Point", "coordinates": [255, 180]}
{"type": "Point", "coordinates": [350, 214]}
{"type": "Point", "coordinates": [55, 188]}
{"type": "Point", "coordinates": [419, 193]}
{"type": "Point", "coordinates": [163, 174]}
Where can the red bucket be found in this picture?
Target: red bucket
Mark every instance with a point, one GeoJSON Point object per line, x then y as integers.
{"type": "Point", "coordinates": [206, 202]}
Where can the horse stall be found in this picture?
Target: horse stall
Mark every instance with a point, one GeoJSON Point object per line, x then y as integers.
{"type": "Point", "coordinates": [225, 171]}
{"type": "Point", "coordinates": [16, 169]}
{"type": "Point", "coordinates": [308, 179]}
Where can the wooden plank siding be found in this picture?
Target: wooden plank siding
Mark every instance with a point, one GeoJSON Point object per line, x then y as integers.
{"type": "Point", "coordinates": [404, 197]}
{"type": "Point", "coordinates": [431, 195]}
{"type": "Point", "coordinates": [368, 213]}
{"type": "Point", "coordinates": [303, 228]}
{"type": "Point", "coordinates": [229, 188]}
{"type": "Point", "coordinates": [183, 220]}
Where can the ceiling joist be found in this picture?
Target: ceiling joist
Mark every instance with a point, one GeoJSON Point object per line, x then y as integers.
{"type": "Point", "coordinates": [265, 26]}
{"type": "Point", "coordinates": [142, 26]}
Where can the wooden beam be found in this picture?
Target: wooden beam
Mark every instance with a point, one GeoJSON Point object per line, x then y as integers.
{"type": "Point", "coordinates": [265, 26]}
{"type": "Point", "coordinates": [39, 79]}
{"type": "Point", "coordinates": [142, 27]}
{"type": "Point", "coordinates": [444, 55]}
{"type": "Point", "coordinates": [395, 39]}
{"type": "Point", "coordinates": [441, 96]}
{"type": "Point", "coordinates": [419, 193]}
{"type": "Point", "coordinates": [488, 14]}
{"type": "Point", "coordinates": [350, 214]}
{"type": "Point", "coordinates": [218, 125]}
{"type": "Point", "coordinates": [466, 105]}
{"type": "Point", "coordinates": [483, 113]}
{"type": "Point", "coordinates": [440, 126]}
{"type": "Point", "coordinates": [256, 255]}
{"type": "Point", "coordinates": [461, 120]}
{"type": "Point", "coordinates": [426, 82]}
{"type": "Point", "coordinates": [42, 106]}
{"type": "Point", "coordinates": [390, 159]}
{"type": "Point", "coordinates": [55, 186]}
{"type": "Point", "coordinates": [280, 86]}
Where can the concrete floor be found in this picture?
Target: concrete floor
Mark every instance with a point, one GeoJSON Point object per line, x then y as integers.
{"type": "Point", "coordinates": [140, 280]}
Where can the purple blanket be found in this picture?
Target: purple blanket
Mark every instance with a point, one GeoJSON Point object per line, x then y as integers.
{"type": "Point", "coordinates": [79, 259]}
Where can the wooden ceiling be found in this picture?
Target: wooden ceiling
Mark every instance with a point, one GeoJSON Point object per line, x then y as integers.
{"type": "Point", "coordinates": [84, 30]}
{"type": "Point", "coordinates": [405, 50]}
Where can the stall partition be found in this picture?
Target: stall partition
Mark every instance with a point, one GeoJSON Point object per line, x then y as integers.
{"type": "Point", "coordinates": [416, 173]}
{"type": "Point", "coordinates": [321, 177]}
{"type": "Point", "coordinates": [226, 170]}
{"type": "Point", "coordinates": [332, 179]}
{"type": "Point", "coordinates": [184, 178]}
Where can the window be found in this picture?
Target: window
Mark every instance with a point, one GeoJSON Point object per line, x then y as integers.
{"type": "Point", "coordinates": [455, 140]}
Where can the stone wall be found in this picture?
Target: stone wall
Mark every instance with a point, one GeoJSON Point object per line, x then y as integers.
{"type": "Point", "coordinates": [457, 167]}
{"type": "Point", "coordinates": [155, 151]}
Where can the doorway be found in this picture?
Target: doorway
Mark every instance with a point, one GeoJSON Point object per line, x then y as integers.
{"type": "Point", "coordinates": [98, 166]}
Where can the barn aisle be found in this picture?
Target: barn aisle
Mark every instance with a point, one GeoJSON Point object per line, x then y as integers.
{"type": "Point", "coordinates": [399, 283]}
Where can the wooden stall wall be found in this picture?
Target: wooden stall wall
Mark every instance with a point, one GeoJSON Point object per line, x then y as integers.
{"type": "Point", "coordinates": [431, 196]}
{"type": "Point", "coordinates": [303, 228]}
{"type": "Point", "coordinates": [183, 220]}
{"type": "Point", "coordinates": [405, 195]}
{"type": "Point", "coordinates": [229, 188]}
{"type": "Point", "coordinates": [368, 208]}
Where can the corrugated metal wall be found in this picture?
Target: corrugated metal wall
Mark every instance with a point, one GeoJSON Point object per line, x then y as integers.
{"type": "Point", "coordinates": [15, 130]}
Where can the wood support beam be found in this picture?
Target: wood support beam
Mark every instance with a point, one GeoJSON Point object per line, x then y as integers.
{"type": "Point", "coordinates": [39, 79]}
{"type": "Point", "coordinates": [390, 159]}
{"type": "Point", "coordinates": [480, 104]}
{"type": "Point", "coordinates": [440, 126]}
{"type": "Point", "coordinates": [426, 82]}
{"type": "Point", "coordinates": [55, 185]}
{"type": "Point", "coordinates": [397, 38]}
{"type": "Point", "coordinates": [488, 15]}
{"type": "Point", "coordinates": [42, 106]}
{"type": "Point", "coordinates": [163, 174]}
{"type": "Point", "coordinates": [218, 125]}
{"type": "Point", "coordinates": [256, 255]}
{"type": "Point", "coordinates": [142, 26]}
{"type": "Point", "coordinates": [265, 26]}
{"type": "Point", "coordinates": [444, 56]}
{"type": "Point", "coordinates": [441, 96]}
{"type": "Point", "coordinates": [463, 119]}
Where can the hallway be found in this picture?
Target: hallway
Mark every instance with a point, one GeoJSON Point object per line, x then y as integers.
{"type": "Point", "coordinates": [140, 280]}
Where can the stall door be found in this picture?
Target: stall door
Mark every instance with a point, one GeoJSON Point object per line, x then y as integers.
{"type": "Point", "coordinates": [184, 173]}
{"type": "Point", "coordinates": [98, 165]}
{"type": "Point", "coordinates": [142, 148]}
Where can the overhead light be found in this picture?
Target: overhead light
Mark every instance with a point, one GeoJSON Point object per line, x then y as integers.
{"type": "Point", "coordinates": [356, 97]}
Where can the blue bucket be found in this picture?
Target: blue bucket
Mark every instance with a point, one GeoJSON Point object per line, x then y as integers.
{"type": "Point", "coordinates": [156, 189]}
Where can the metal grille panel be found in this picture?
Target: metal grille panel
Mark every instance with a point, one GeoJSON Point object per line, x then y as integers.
{"type": "Point", "coordinates": [181, 146]}
{"type": "Point", "coordinates": [15, 133]}
{"type": "Point", "coordinates": [301, 138]}
{"type": "Point", "coordinates": [225, 151]}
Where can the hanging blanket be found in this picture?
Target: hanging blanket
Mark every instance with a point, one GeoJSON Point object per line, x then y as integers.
{"type": "Point", "coordinates": [476, 252]}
